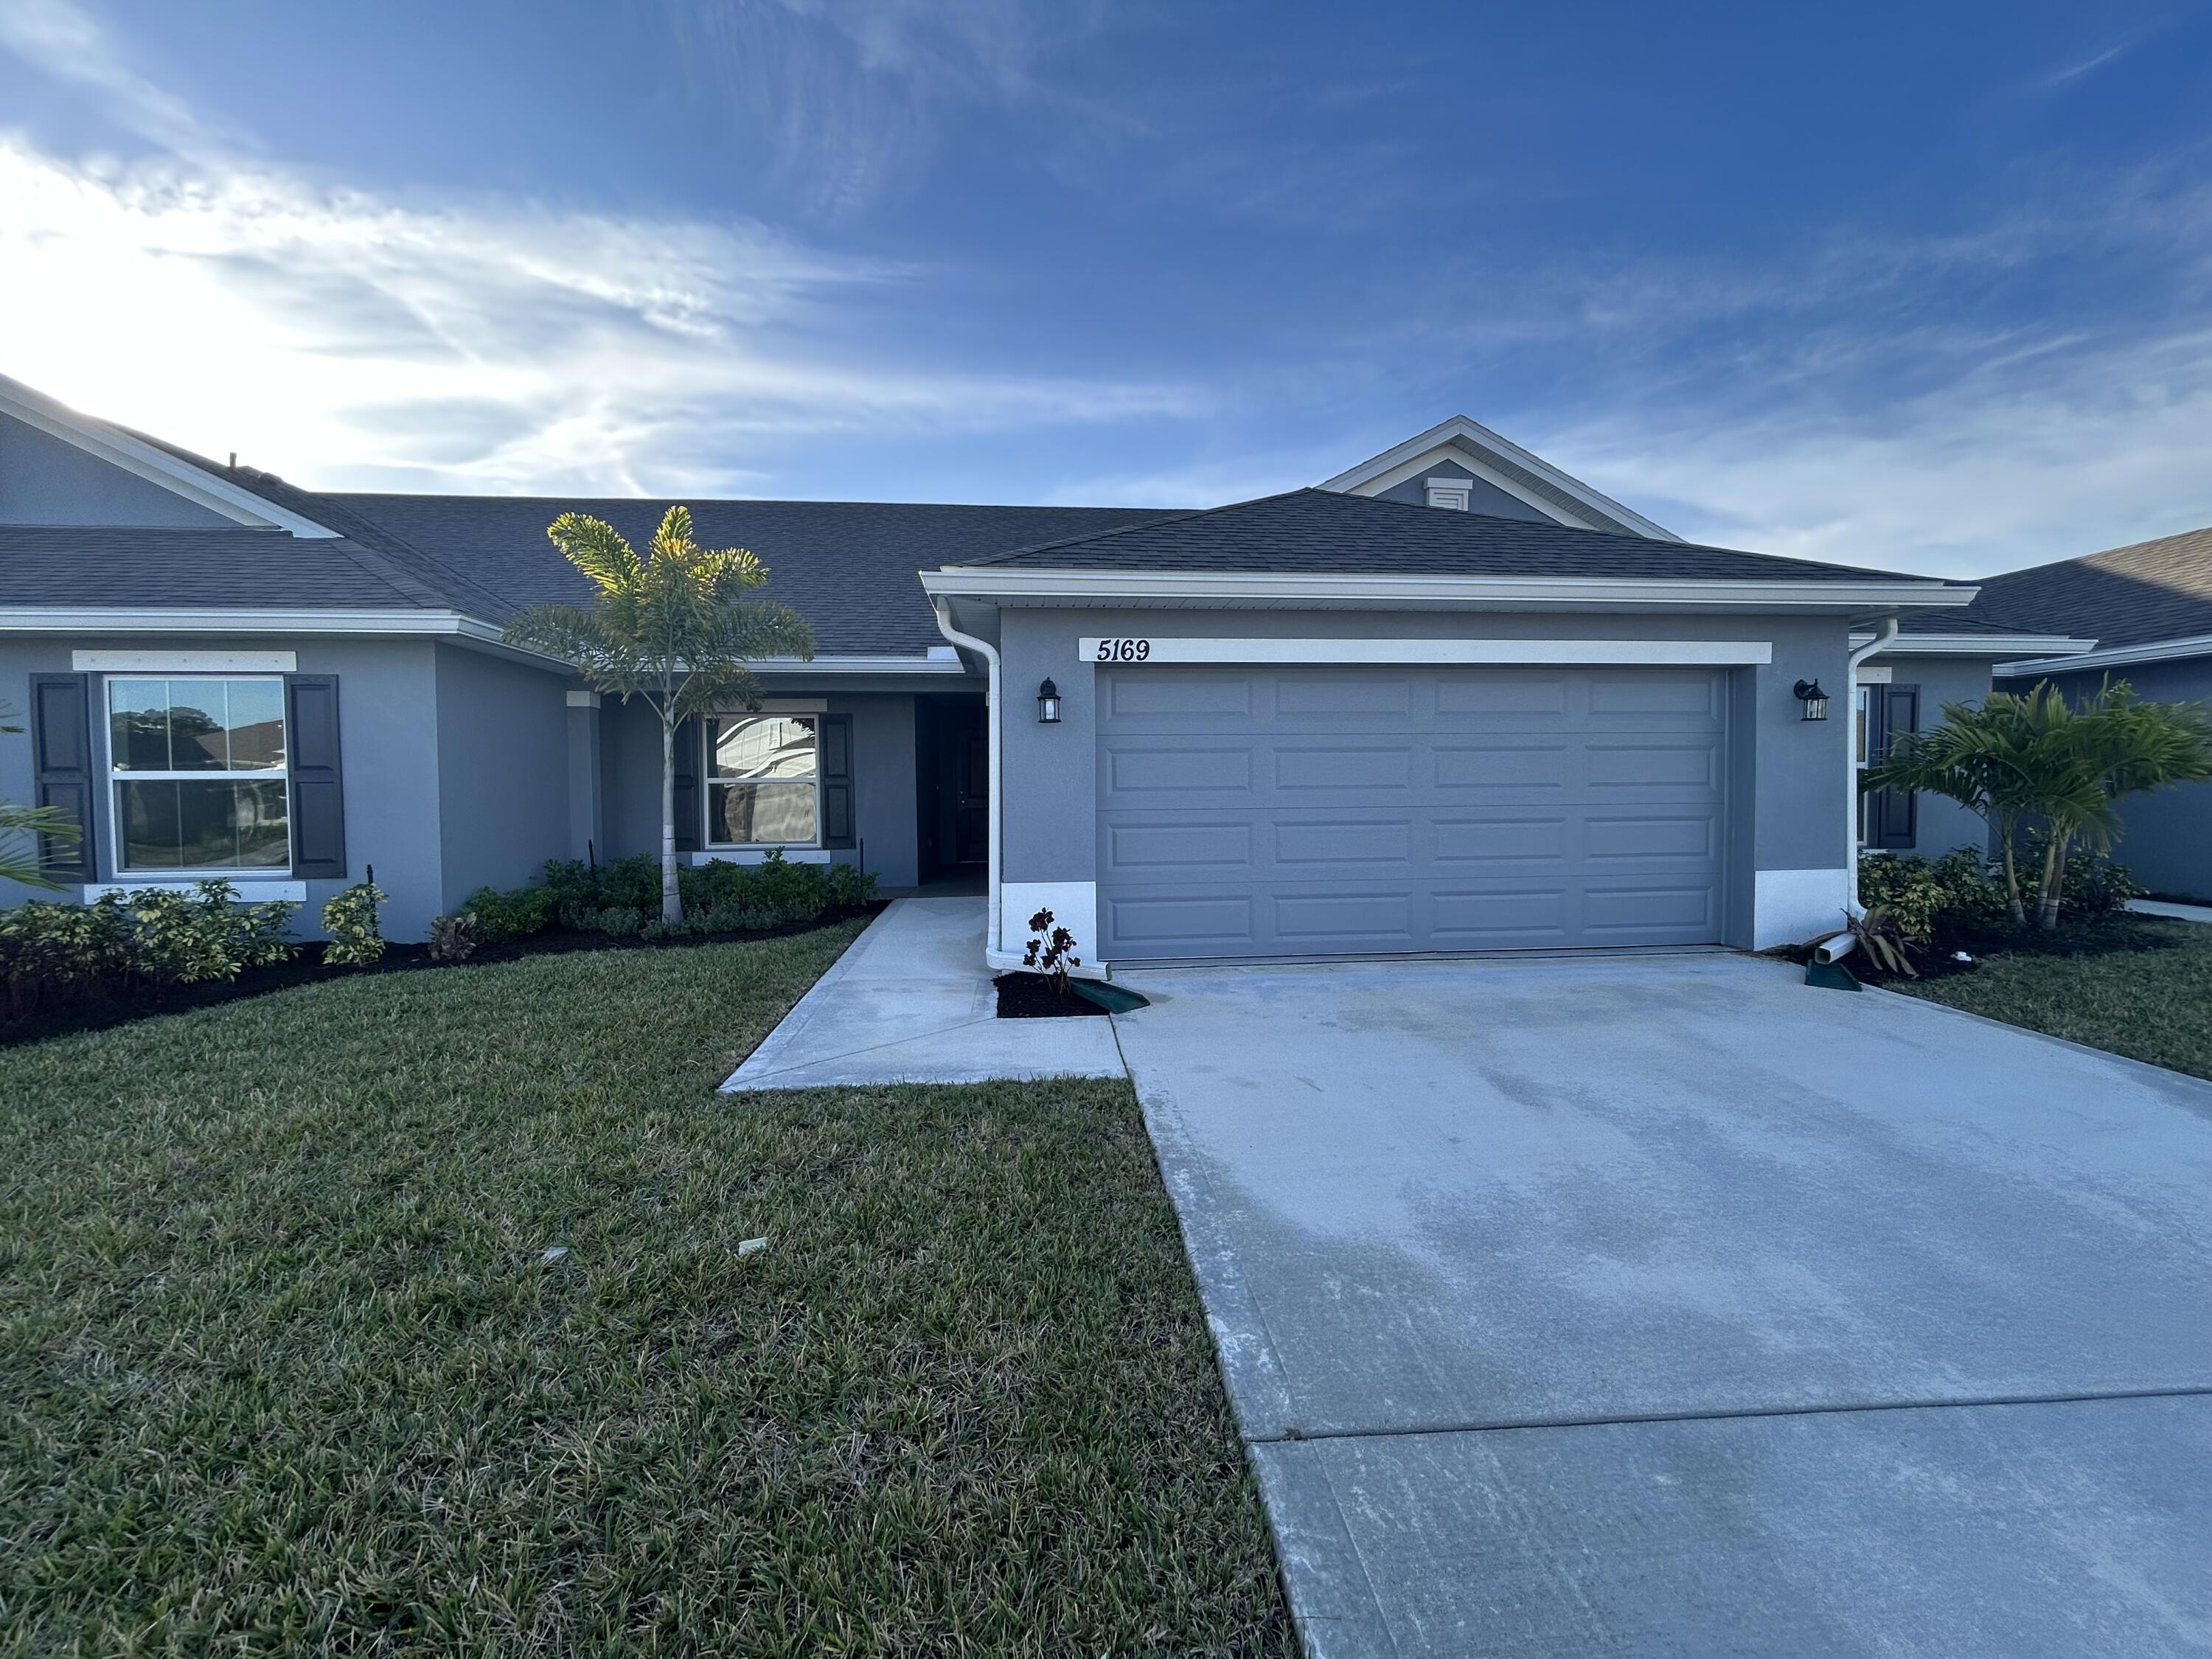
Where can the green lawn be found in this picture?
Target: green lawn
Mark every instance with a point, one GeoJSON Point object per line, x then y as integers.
{"type": "Point", "coordinates": [282, 1368]}
{"type": "Point", "coordinates": [2153, 1003]}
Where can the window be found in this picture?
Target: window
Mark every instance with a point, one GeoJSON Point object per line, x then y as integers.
{"type": "Point", "coordinates": [762, 775]}
{"type": "Point", "coordinates": [197, 767]}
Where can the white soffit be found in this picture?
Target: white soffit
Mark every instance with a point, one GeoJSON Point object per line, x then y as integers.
{"type": "Point", "coordinates": [1135, 652]}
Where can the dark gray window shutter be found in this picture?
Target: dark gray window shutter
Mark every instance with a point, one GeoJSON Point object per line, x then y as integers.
{"type": "Point", "coordinates": [1893, 814]}
{"type": "Point", "coordinates": [689, 748]}
{"type": "Point", "coordinates": [836, 779]}
{"type": "Point", "coordinates": [311, 710]}
{"type": "Point", "coordinates": [61, 751]}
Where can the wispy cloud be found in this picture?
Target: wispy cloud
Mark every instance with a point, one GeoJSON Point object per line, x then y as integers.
{"type": "Point", "coordinates": [349, 336]}
{"type": "Point", "coordinates": [2075, 71]}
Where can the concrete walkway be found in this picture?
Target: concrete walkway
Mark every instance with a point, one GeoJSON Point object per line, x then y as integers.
{"type": "Point", "coordinates": [1670, 1307]}
{"type": "Point", "coordinates": [2176, 912]}
{"type": "Point", "coordinates": [911, 1002]}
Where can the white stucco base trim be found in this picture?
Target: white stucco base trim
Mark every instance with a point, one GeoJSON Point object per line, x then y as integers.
{"type": "Point", "coordinates": [1787, 906]}
{"type": "Point", "coordinates": [1074, 905]}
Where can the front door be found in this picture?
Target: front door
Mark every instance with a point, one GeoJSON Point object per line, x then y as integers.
{"type": "Point", "coordinates": [971, 801]}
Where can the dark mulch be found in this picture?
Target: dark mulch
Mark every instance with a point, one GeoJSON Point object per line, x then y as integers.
{"type": "Point", "coordinates": [1032, 996]}
{"type": "Point", "coordinates": [144, 1001]}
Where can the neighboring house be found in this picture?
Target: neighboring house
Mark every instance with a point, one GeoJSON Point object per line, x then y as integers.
{"type": "Point", "coordinates": [1453, 699]}
{"type": "Point", "coordinates": [2149, 607]}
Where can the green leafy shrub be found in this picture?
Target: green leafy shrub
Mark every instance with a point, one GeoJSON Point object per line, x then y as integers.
{"type": "Point", "coordinates": [1958, 901]}
{"type": "Point", "coordinates": [511, 916]}
{"type": "Point", "coordinates": [350, 919]}
{"type": "Point", "coordinates": [617, 920]}
{"type": "Point", "coordinates": [207, 933]}
{"type": "Point", "coordinates": [54, 954]}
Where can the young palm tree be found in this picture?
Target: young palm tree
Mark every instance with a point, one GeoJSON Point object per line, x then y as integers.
{"type": "Point", "coordinates": [673, 627]}
{"type": "Point", "coordinates": [2018, 757]}
{"type": "Point", "coordinates": [22, 828]}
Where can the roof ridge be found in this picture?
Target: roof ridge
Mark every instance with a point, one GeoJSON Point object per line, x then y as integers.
{"type": "Point", "coordinates": [1173, 518]}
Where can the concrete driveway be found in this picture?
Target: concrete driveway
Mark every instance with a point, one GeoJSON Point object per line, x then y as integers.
{"type": "Point", "coordinates": [1666, 1306]}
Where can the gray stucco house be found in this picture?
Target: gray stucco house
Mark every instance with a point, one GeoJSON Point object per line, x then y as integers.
{"type": "Point", "coordinates": [2149, 607]}
{"type": "Point", "coordinates": [1451, 699]}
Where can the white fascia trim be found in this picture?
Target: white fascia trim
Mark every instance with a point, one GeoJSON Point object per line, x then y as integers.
{"type": "Point", "coordinates": [1232, 587]}
{"type": "Point", "coordinates": [157, 466]}
{"type": "Point", "coordinates": [1973, 644]}
{"type": "Point", "coordinates": [1321, 653]}
{"type": "Point", "coordinates": [2119, 656]}
{"type": "Point", "coordinates": [1460, 431]}
{"type": "Point", "coordinates": [186, 662]}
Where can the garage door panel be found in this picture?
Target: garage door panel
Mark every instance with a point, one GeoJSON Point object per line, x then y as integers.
{"type": "Point", "coordinates": [1155, 768]}
{"type": "Point", "coordinates": [1321, 811]}
{"type": "Point", "coordinates": [1666, 765]}
{"type": "Point", "coordinates": [1493, 768]}
{"type": "Point", "coordinates": [1165, 849]}
{"type": "Point", "coordinates": [1523, 841]}
{"type": "Point", "coordinates": [1344, 845]}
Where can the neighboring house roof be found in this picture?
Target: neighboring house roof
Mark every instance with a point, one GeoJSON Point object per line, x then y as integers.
{"type": "Point", "coordinates": [1320, 530]}
{"type": "Point", "coordinates": [1504, 463]}
{"type": "Point", "coordinates": [2127, 597]}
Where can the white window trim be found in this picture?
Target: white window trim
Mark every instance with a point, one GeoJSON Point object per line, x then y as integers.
{"type": "Point", "coordinates": [181, 879]}
{"type": "Point", "coordinates": [230, 664]}
{"type": "Point", "coordinates": [812, 716]}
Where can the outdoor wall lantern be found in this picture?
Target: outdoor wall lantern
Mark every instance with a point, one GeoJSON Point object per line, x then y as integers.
{"type": "Point", "coordinates": [1047, 704]}
{"type": "Point", "coordinates": [1815, 699]}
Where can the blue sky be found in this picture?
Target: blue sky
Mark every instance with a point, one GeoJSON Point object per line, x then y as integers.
{"type": "Point", "coordinates": [1917, 286]}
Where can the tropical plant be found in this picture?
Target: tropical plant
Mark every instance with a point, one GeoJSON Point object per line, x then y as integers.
{"type": "Point", "coordinates": [25, 829]}
{"type": "Point", "coordinates": [2035, 757]}
{"type": "Point", "coordinates": [673, 628]}
{"type": "Point", "coordinates": [452, 938]}
{"type": "Point", "coordinates": [1051, 950]}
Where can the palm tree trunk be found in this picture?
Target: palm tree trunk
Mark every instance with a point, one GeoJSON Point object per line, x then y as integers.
{"type": "Point", "coordinates": [2054, 875]}
{"type": "Point", "coordinates": [672, 905]}
{"type": "Point", "coordinates": [2012, 884]}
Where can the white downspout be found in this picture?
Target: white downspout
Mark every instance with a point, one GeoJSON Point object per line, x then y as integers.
{"type": "Point", "coordinates": [989, 653]}
{"type": "Point", "coordinates": [1884, 635]}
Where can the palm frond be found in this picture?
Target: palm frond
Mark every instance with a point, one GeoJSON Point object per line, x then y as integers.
{"type": "Point", "coordinates": [596, 548]}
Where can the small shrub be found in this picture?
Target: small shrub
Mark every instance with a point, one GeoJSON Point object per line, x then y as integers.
{"type": "Point", "coordinates": [613, 919]}
{"type": "Point", "coordinates": [52, 953]}
{"type": "Point", "coordinates": [350, 919]}
{"type": "Point", "coordinates": [452, 938]}
{"type": "Point", "coordinates": [517, 915]}
{"type": "Point", "coordinates": [1051, 950]}
{"type": "Point", "coordinates": [188, 938]}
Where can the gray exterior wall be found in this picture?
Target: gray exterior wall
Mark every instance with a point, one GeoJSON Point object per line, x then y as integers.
{"type": "Point", "coordinates": [502, 750]}
{"type": "Point", "coordinates": [388, 726]}
{"type": "Point", "coordinates": [2168, 839]}
{"type": "Point", "coordinates": [1789, 790]}
{"type": "Point", "coordinates": [884, 804]}
{"type": "Point", "coordinates": [1939, 824]}
{"type": "Point", "coordinates": [46, 481]}
{"type": "Point", "coordinates": [1483, 496]}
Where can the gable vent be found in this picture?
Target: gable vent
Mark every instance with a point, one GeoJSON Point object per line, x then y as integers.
{"type": "Point", "coordinates": [1448, 492]}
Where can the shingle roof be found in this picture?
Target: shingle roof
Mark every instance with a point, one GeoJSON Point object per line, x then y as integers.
{"type": "Point", "coordinates": [2133, 595]}
{"type": "Point", "coordinates": [72, 566]}
{"type": "Point", "coordinates": [1320, 531]}
{"type": "Point", "coordinates": [849, 568]}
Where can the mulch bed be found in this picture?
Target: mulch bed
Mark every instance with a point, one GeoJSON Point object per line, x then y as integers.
{"type": "Point", "coordinates": [1032, 996]}
{"type": "Point", "coordinates": [145, 1000]}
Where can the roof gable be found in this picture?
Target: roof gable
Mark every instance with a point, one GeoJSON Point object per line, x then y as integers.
{"type": "Point", "coordinates": [220, 501]}
{"type": "Point", "coordinates": [1508, 471]}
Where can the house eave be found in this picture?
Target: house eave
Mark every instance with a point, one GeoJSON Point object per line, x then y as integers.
{"type": "Point", "coordinates": [1279, 591]}
{"type": "Point", "coordinates": [1975, 645]}
{"type": "Point", "coordinates": [2118, 656]}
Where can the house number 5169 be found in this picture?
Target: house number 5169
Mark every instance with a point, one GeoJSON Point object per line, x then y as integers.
{"type": "Point", "coordinates": [1123, 650]}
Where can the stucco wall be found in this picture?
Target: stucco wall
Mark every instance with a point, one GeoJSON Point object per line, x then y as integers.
{"type": "Point", "coordinates": [1788, 786]}
{"type": "Point", "coordinates": [2168, 839]}
{"type": "Point", "coordinates": [387, 717]}
{"type": "Point", "coordinates": [503, 762]}
{"type": "Point", "coordinates": [46, 481]}
{"type": "Point", "coordinates": [884, 804]}
{"type": "Point", "coordinates": [1940, 824]}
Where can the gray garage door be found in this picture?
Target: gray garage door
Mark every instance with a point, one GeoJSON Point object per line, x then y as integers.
{"type": "Point", "coordinates": [1329, 811]}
